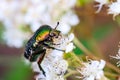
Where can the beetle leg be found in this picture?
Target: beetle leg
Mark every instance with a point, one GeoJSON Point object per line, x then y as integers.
{"type": "Point", "coordinates": [41, 69]}
{"type": "Point", "coordinates": [39, 63]}
{"type": "Point", "coordinates": [55, 44]}
{"type": "Point", "coordinates": [50, 43]}
{"type": "Point", "coordinates": [48, 46]}
{"type": "Point", "coordinates": [56, 49]}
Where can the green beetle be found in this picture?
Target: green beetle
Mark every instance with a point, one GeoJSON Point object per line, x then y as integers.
{"type": "Point", "coordinates": [41, 40]}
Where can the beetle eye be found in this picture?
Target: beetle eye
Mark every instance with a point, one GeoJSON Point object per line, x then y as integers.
{"type": "Point", "coordinates": [52, 34]}
{"type": "Point", "coordinates": [55, 35]}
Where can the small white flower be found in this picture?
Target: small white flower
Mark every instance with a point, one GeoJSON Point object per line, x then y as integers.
{"type": "Point", "coordinates": [92, 70]}
{"type": "Point", "coordinates": [71, 37]}
{"type": "Point", "coordinates": [100, 5]}
{"type": "Point", "coordinates": [114, 8]}
{"type": "Point", "coordinates": [117, 57]}
{"type": "Point", "coordinates": [69, 47]}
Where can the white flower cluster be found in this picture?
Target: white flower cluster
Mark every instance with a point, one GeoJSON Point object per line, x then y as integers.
{"type": "Point", "coordinates": [15, 37]}
{"type": "Point", "coordinates": [117, 57]}
{"type": "Point", "coordinates": [100, 5]}
{"type": "Point", "coordinates": [17, 13]}
{"type": "Point", "coordinates": [113, 7]}
{"type": "Point", "coordinates": [53, 64]}
{"type": "Point", "coordinates": [92, 70]}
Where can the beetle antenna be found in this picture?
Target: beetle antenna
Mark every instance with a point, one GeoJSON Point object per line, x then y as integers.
{"type": "Point", "coordinates": [54, 28]}
{"type": "Point", "coordinates": [57, 25]}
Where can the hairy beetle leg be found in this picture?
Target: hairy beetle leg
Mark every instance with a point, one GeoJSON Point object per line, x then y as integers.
{"type": "Point", "coordinates": [55, 44]}
{"type": "Point", "coordinates": [39, 62]}
{"type": "Point", "coordinates": [56, 49]}
{"type": "Point", "coordinates": [42, 69]}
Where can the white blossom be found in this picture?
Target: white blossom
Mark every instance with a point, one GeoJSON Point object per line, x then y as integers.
{"type": "Point", "coordinates": [14, 37]}
{"type": "Point", "coordinates": [117, 57]}
{"type": "Point", "coordinates": [100, 5]}
{"type": "Point", "coordinates": [114, 8]}
{"type": "Point", "coordinates": [65, 42]}
{"type": "Point", "coordinates": [36, 13]}
{"type": "Point", "coordinates": [53, 63]}
{"type": "Point", "coordinates": [69, 47]}
{"type": "Point", "coordinates": [92, 70]}
{"type": "Point", "coordinates": [118, 1]}
{"type": "Point", "coordinates": [54, 66]}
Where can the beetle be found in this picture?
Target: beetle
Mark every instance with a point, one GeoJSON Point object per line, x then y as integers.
{"type": "Point", "coordinates": [36, 46]}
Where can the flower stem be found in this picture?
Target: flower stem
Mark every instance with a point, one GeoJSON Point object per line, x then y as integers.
{"type": "Point", "coordinates": [75, 57]}
{"type": "Point", "coordinates": [96, 50]}
{"type": "Point", "coordinates": [111, 74]}
{"type": "Point", "coordinates": [70, 73]}
{"type": "Point", "coordinates": [82, 47]}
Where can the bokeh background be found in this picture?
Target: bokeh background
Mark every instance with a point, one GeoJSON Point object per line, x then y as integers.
{"type": "Point", "coordinates": [99, 33]}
